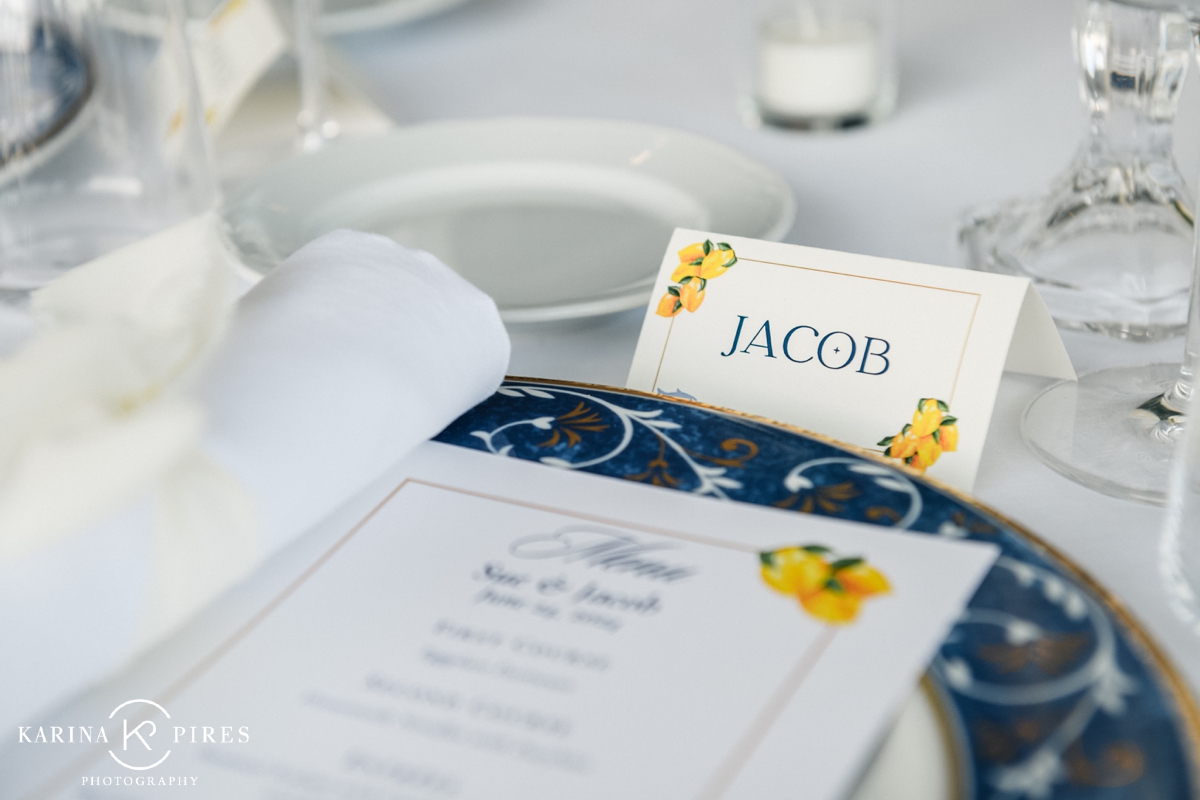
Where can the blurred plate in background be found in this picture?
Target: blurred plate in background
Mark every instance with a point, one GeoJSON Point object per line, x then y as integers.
{"type": "Point", "coordinates": [346, 16]}
{"type": "Point", "coordinates": [555, 219]}
{"type": "Point", "coordinates": [338, 16]}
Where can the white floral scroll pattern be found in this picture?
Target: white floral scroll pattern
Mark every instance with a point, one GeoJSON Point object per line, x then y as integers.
{"type": "Point", "coordinates": [882, 476]}
{"type": "Point", "coordinates": [1099, 681]}
{"type": "Point", "coordinates": [713, 480]}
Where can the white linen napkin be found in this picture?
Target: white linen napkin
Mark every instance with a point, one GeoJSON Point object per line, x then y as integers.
{"type": "Point", "coordinates": [363, 347]}
{"type": "Point", "coordinates": [334, 366]}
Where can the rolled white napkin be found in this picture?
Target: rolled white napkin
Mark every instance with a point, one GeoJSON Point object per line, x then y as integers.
{"type": "Point", "coordinates": [334, 366]}
{"type": "Point", "coordinates": [346, 357]}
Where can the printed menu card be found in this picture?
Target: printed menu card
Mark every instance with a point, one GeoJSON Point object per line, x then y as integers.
{"type": "Point", "coordinates": [901, 358]}
{"type": "Point", "coordinates": [501, 629]}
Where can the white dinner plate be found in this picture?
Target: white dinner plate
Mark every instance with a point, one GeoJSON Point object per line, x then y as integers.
{"type": "Point", "coordinates": [554, 218]}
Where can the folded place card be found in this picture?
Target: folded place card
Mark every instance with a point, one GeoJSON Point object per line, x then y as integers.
{"type": "Point", "coordinates": [500, 629]}
{"type": "Point", "coordinates": [901, 358]}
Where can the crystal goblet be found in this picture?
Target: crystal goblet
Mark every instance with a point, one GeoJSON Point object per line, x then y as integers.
{"type": "Point", "coordinates": [1109, 247]}
{"type": "Point", "coordinates": [1116, 430]}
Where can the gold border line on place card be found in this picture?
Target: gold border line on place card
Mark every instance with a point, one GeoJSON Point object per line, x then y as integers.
{"type": "Point", "coordinates": [730, 766]}
{"type": "Point", "coordinates": [663, 355]}
{"type": "Point", "coordinates": [963, 355]}
{"type": "Point", "coordinates": [966, 339]}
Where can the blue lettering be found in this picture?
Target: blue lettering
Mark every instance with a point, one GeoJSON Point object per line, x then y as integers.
{"type": "Point", "coordinates": [867, 354]}
{"type": "Point", "coordinates": [736, 335]}
{"type": "Point", "coordinates": [766, 328]}
{"type": "Point", "coordinates": [837, 350]}
{"type": "Point", "coordinates": [787, 338]}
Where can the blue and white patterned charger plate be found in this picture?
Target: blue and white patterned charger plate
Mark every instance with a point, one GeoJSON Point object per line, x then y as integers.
{"type": "Point", "coordinates": [1053, 687]}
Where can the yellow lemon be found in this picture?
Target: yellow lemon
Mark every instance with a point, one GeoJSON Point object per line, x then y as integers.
{"type": "Point", "coordinates": [926, 419]}
{"type": "Point", "coordinates": [713, 265]}
{"type": "Point", "coordinates": [832, 606]}
{"type": "Point", "coordinates": [949, 437]}
{"type": "Point", "coordinates": [904, 445]}
{"type": "Point", "coordinates": [928, 451]}
{"type": "Point", "coordinates": [796, 571]}
{"type": "Point", "coordinates": [684, 271]}
{"type": "Point", "coordinates": [666, 306]}
{"type": "Point", "coordinates": [863, 580]}
{"type": "Point", "coordinates": [692, 252]}
{"type": "Point", "coordinates": [690, 296]}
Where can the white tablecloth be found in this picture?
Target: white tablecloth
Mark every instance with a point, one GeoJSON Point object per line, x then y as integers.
{"type": "Point", "coordinates": [989, 107]}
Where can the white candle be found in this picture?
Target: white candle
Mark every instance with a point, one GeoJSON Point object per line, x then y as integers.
{"type": "Point", "coordinates": [820, 68]}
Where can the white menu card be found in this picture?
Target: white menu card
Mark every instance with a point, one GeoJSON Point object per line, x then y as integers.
{"type": "Point", "coordinates": [501, 629]}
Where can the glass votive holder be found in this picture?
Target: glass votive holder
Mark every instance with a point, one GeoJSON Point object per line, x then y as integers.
{"type": "Point", "coordinates": [827, 65]}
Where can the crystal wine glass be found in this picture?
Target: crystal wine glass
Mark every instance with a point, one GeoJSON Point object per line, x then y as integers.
{"type": "Point", "coordinates": [317, 126]}
{"type": "Point", "coordinates": [1109, 247]}
{"type": "Point", "coordinates": [1111, 251]}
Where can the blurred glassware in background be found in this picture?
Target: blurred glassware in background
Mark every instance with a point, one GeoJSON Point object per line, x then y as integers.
{"type": "Point", "coordinates": [270, 85]}
{"type": "Point", "coordinates": [827, 64]}
{"type": "Point", "coordinates": [268, 127]}
{"type": "Point", "coordinates": [101, 136]}
{"type": "Point", "coordinates": [1116, 430]}
{"type": "Point", "coordinates": [317, 127]}
{"type": "Point", "coordinates": [1110, 246]}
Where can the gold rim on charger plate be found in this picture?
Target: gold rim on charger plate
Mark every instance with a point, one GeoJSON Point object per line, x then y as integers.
{"type": "Point", "coordinates": [1186, 710]}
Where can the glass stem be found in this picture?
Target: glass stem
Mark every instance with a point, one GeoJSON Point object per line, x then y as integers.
{"type": "Point", "coordinates": [316, 128]}
{"type": "Point", "coordinates": [1177, 397]}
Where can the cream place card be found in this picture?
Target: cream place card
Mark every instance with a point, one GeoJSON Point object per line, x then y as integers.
{"type": "Point", "coordinates": [500, 629]}
{"type": "Point", "coordinates": [231, 51]}
{"type": "Point", "coordinates": [901, 358]}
